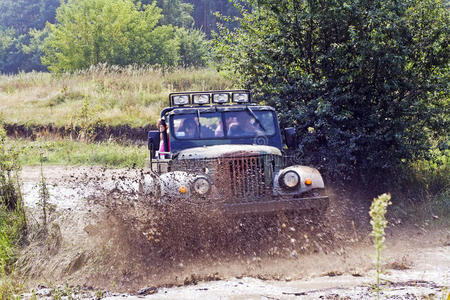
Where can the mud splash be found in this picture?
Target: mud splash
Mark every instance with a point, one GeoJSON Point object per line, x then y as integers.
{"type": "Point", "coordinates": [181, 244]}
{"type": "Point", "coordinates": [104, 234]}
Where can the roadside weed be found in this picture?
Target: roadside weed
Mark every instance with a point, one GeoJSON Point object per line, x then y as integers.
{"type": "Point", "coordinates": [10, 288]}
{"type": "Point", "coordinates": [44, 195]}
{"type": "Point", "coordinates": [378, 221]}
{"type": "Point", "coordinates": [88, 120]}
{"type": "Point", "coordinates": [12, 217]}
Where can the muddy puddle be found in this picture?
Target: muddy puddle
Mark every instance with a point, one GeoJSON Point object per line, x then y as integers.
{"type": "Point", "coordinates": [103, 237]}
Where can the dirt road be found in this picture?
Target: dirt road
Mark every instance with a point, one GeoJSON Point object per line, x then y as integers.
{"type": "Point", "coordinates": [102, 236]}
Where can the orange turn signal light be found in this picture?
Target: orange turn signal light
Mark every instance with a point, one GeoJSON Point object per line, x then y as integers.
{"type": "Point", "coordinates": [183, 189]}
{"type": "Point", "coordinates": [308, 181]}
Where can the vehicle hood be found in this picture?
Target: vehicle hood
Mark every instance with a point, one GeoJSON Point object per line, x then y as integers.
{"type": "Point", "coordinates": [227, 151]}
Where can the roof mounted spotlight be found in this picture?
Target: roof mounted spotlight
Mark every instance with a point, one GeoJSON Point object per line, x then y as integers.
{"type": "Point", "coordinates": [217, 97]}
{"type": "Point", "coordinates": [221, 98]}
{"type": "Point", "coordinates": [180, 100]}
{"type": "Point", "coordinates": [201, 99]}
{"type": "Point", "coordinates": [241, 97]}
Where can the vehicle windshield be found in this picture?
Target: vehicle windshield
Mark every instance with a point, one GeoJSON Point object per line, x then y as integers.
{"type": "Point", "coordinates": [227, 124]}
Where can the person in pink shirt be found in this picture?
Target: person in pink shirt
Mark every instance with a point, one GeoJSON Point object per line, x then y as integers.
{"type": "Point", "coordinates": [162, 130]}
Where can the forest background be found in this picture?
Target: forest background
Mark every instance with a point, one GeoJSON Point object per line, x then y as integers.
{"type": "Point", "coordinates": [183, 29]}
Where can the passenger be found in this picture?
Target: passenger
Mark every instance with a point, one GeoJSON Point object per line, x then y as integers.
{"type": "Point", "coordinates": [163, 129]}
{"type": "Point", "coordinates": [189, 129]}
{"type": "Point", "coordinates": [216, 128]}
{"type": "Point", "coordinates": [207, 132]}
{"type": "Point", "coordinates": [218, 132]}
{"type": "Point", "coordinates": [243, 125]}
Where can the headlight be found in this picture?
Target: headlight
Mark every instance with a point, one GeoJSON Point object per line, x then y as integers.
{"type": "Point", "coordinates": [201, 186]}
{"type": "Point", "coordinates": [180, 100]}
{"type": "Point", "coordinates": [289, 180]}
{"type": "Point", "coordinates": [241, 97]}
{"type": "Point", "coordinates": [221, 98]}
{"type": "Point", "coordinates": [201, 99]}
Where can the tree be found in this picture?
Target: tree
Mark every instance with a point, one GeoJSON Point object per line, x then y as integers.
{"type": "Point", "coordinates": [21, 25]}
{"type": "Point", "coordinates": [8, 44]}
{"type": "Point", "coordinates": [364, 82]}
{"type": "Point", "coordinates": [175, 12]}
{"type": "Point", "coordinates": [204, 13]}
{"type": "Point", "coordinates": [23, 15]}
{"type": "Point", "coordinates": [89, 32]}
{"type": "Point", "coordinates": [194, 48]}
{"type": "Point", "coordinates": [20, 52]}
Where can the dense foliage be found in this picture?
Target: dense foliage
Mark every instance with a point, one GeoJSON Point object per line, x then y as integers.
{"type": "Point", "coordinates": [23, 15]}
{"type": "Point", "coordinates": [364, 82]}
{"type": "Point", "coordinates": [202, 14]}
{"type": "Point", "coordinates": [205, 13]}
{"type": "Point", "coordinates": [89, 32]}
{"type": "Point", "coordinates": [20, 39]}
{"type": "Point", "coordinates": [21, 51]}
{"type": "Point", "coordinates": [194, 50]}
{"type": "Point", "coordinates": [23, 31]}
{"type": "Point", "coordinates": [175, 12]}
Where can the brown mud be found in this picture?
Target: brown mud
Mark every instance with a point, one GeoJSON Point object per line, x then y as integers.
{"type": "Point", "coordinates": [97, 133]}
{"type": "Point", "coordinates": [103, 235]}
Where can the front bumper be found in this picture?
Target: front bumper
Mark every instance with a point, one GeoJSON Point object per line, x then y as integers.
{"type": "Point", "coordinates": [319, 203]}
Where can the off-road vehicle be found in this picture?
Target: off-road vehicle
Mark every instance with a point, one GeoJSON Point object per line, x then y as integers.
{"type": "Point", "coordinates": [219, 149]}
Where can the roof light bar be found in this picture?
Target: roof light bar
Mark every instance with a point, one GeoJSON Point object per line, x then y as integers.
{"type": "Point", "coordinates": [201, 99]}
{"type": "Point", "coordinates": [217, 97]}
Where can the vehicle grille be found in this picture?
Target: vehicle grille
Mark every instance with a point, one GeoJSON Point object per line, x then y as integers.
{"type": "Point", "coordinates": [248, 178]}
{"type": "Point", "coordinates": [238, 179]}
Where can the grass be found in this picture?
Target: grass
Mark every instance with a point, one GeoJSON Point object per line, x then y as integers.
{"type": "Point", "coordinates": [12, 225]}
{"type": "Point", "coordinates": [10, 287]}
{"type": "Point", "coordinates": [12, 217]}
{"type": "Point", "coordinates": [118, 96]}
{"type": "Point", "coordinates": [67, 152]}
{"type": "Point", "coordinates": [424, 197]}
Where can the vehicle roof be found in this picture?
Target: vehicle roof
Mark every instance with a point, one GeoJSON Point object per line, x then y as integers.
{"type": "Point", "coordinates": [212, 108]}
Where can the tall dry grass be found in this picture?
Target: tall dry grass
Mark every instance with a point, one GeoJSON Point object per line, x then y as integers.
{"type": "Point", "coordinates": [131, 95]}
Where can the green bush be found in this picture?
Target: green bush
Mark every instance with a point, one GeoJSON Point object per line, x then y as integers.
{"type": "Point", "coordinates": [194, 48]}
{"type": "Point", "coordinates": [364, 82]}
{"type": "Point", "coordinates": [425, 192]}
{"type": "Point", "coordinates": [8, 174]}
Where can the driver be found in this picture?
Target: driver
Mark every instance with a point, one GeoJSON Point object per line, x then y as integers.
{"type": "Point", "coordinates": [243, 125]}
{"type": "Point", "coordinates": [189, 128]}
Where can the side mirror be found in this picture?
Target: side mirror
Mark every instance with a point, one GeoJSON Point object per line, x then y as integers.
{"type": "Point", "coordinates": [290, 137]}
{"type": "Point", "coordinates": [153, 142]}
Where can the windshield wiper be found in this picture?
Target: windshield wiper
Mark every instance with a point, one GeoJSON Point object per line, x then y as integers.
{"type": "Point", "coordinates": [256, 118]}
{"type": "Point", "coordinates": [198, 116]}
